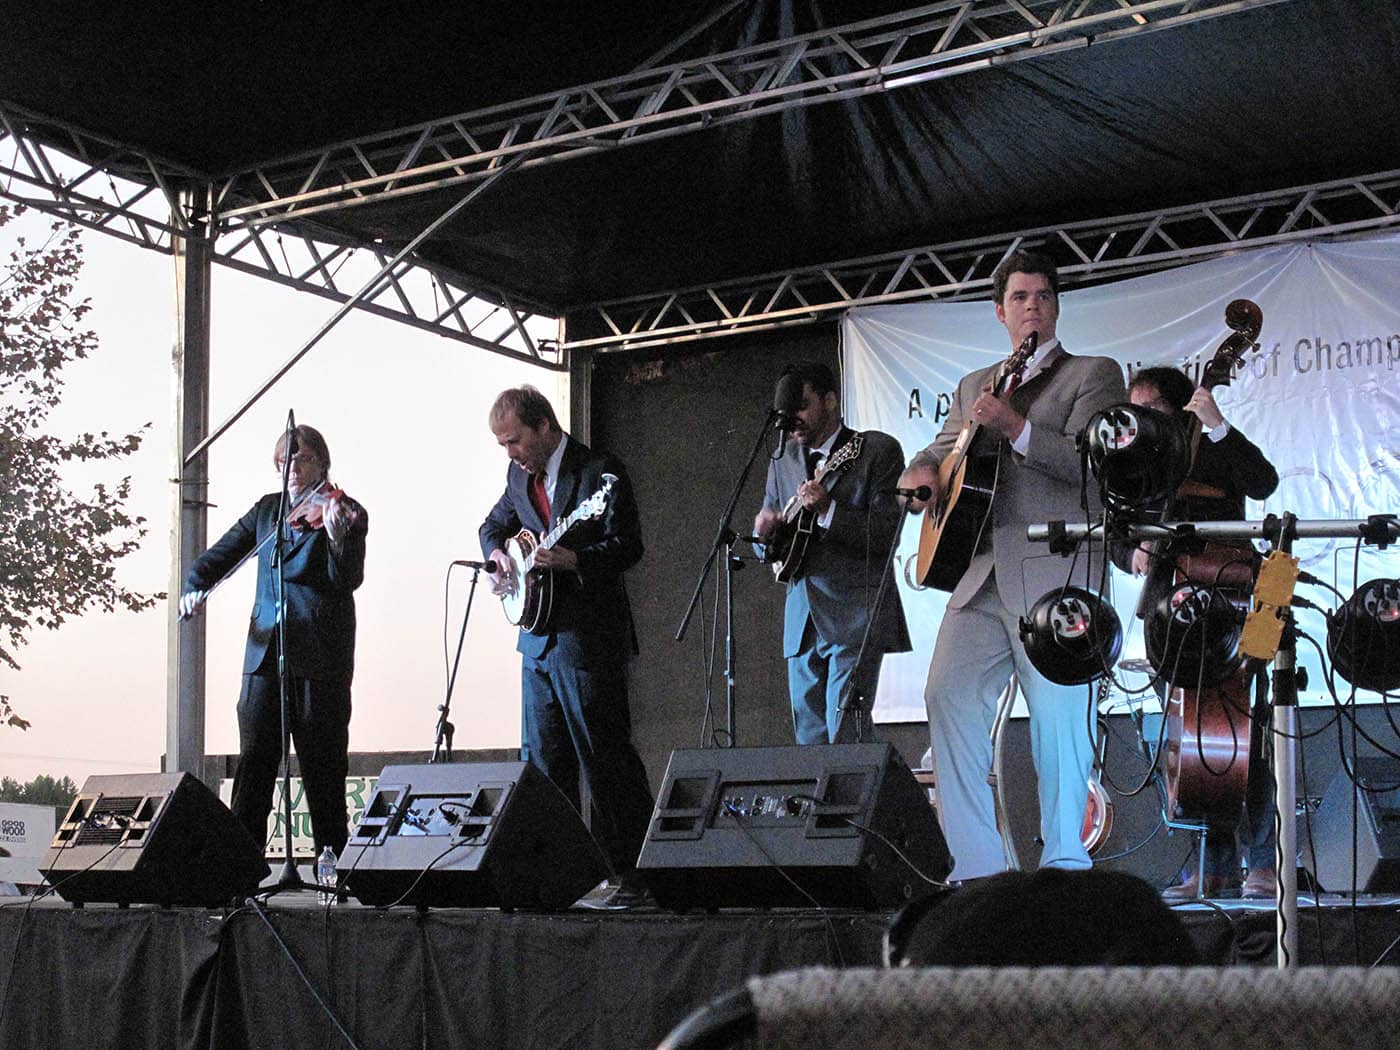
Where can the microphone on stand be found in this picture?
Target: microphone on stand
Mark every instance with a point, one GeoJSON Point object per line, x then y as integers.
{"type": "Point", "coordinates": [787, 401]}
{"type": "Point", "coordinates": [488, 565]}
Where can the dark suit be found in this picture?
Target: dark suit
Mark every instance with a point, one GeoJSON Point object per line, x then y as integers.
{"type": "Point", "coordinates": [979, 647]}
{"type": "Point", "coordinates": [574, 672]}
{"type": "Point", "coordinates": [829, 604]}
{"type": "Point", "coordinates": [320, 585]}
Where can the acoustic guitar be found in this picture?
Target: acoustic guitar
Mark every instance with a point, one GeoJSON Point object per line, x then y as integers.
{"type": "Point", "coordinates": [529, 596]}
{"type": "Point", "coordinates": [966, 483]}
{"type": "Point", "coordinates": [795, 534]}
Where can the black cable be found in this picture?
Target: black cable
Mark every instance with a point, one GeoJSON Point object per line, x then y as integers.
{"type": "Point", "coordinates": [741, 823]}
{"type": "Point", "coordinates": [257, 910]}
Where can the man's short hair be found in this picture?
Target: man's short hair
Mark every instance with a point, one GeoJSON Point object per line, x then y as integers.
{"type": "Point", "coordinates": [526, 404]}
{"type": "Point", "coordinates": [818, 376]}
{"type": "Point", "coordinates": [1024, 262]}
{"type": "Point", "coordinates": [1172, 384]}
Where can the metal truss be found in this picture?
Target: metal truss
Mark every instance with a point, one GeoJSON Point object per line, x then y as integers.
{"type": "Point", "coordinates": [1088, 251]}
{"type": "Point", "coordinates": [119, 191]}
{"type": "Point", "coordinates": [661, 100]}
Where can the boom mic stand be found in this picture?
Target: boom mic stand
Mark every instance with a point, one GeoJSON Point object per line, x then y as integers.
{"type": "Point", "coordinates": [442, 741]}
{"type": "Point", "coordinates": [851, 699]}
{"type": "Point", "coordinates": [1280, 533]}
{"type": "Point", "coordinates": [724, 541]}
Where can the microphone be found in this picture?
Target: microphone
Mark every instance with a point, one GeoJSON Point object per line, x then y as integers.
{"type": "Point", "coordinates": [787, 400]}
{"type": "Point", "coordinates": [489, 565]}
{"type": "Point", "coordinates": [923, 492]}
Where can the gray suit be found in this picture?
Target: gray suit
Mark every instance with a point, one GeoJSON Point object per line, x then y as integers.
{"type": "Point", "coordinates": [978, 645]}
{"type": "Point", "coordinates": [828, 605]}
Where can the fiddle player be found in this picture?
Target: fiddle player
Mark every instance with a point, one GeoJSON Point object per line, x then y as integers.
{"type": "Point", "coordinates": [1033, 429]}
{"type": "Point", "coordinates": [830, 600]}
{"type": "Point", "coordinates": [1228, 468]}
{"type": "Point", "coordinates": [324, 562]}
{"type": "Point", "coordinates": [573, 680]}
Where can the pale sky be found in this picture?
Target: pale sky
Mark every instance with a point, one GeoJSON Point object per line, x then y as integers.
{"type": "Point", "coordinates": [404, 414]}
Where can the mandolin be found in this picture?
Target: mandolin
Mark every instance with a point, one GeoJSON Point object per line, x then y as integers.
{"type": "Point", "coordinates": [795, 534]}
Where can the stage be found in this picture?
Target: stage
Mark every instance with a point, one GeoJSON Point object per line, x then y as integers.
{"type": "Point", "coordinates": [273, 975]}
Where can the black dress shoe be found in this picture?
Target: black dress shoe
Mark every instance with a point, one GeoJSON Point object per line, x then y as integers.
{"type": "Point", "coordinates": [629, 894]}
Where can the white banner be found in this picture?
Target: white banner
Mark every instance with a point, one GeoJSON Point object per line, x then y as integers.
{"type": "Point", "coordinates": [358, 790]}
{"type": "Point", "coordinates": [25, 834]}
{"type": "Point", "coordinates": [1320, 398]}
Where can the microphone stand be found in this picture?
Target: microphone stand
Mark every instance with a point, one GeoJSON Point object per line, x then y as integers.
{"type": "Point", "coordinates": [851, 699]}
{"type": "Point", "coordinates": [1280, 534]}
{"type": "Point", "coordinates": [288, 879]}
{"type": "Point", "coordinates": [442, 742]}
{"type": "Point", "coordinates": [724, 540]}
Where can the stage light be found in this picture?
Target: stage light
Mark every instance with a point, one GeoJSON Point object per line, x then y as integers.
{"type": "Point", "coordinates": [1363, 637]}
{"type": "Point", "coordinates": [1138, 455]}
{"type": "Point", "coordinates": [1072, 636]}
{"type": "Point", "coordinates": [1193, 637]}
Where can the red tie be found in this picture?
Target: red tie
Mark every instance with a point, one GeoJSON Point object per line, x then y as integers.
{"type": "Point", "coordinates": [539, 497]}
{"type": "Point", "coordinates": [1012, 382]}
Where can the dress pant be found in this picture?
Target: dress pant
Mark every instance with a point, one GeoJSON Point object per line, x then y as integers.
{"type": "Point", "coordinates": [978, 649]}
{"type": "Point", "coordinates": [320, 722]}
{"type": "Point", "coordinates": [817, 676]}
{"type": "Point", "coordinates": [576, 719]}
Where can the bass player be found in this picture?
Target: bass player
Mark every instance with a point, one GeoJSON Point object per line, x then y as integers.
{"type": "Point", "coordinates": [1029, 432]}
{"type": "Point", "coordinates": [833, 490]}
{"type": "Point", "coordinates": [574, 664]}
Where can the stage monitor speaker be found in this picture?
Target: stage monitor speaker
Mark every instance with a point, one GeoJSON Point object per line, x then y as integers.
{"type": "Point", "coordinates": [152, 838]}
{"type": "Point", "coordinates": [1376, 796]}
{"type": "Point", "coordinates": [842, 826]}
{"type": "Point", "coordinates": [470, 835]}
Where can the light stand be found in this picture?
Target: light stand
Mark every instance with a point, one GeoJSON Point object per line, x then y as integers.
{"type": "Point", "coordinates": [724, 541]}
{"type": "Point", "coordinates": [1280, 533]}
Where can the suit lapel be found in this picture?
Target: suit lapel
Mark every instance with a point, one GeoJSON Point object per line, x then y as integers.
{"type": "Point", "coordinates": [566, 485]}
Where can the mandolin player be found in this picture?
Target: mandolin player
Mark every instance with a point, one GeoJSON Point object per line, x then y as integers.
{"type": "Point", "coordinates": [1029, 428]}
{"type": "Point", "coordinates": [830, 517]}
{"type": "Point", "coordinates": [1228, 467]}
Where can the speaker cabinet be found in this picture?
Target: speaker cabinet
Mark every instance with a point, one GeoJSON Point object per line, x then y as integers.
{"type": "Point", "coordinates": [1377, 809]}
{"type": "Point", "coordinates": [152, 838]}
{"type": "Point", "coordinates": [470, 835]}
{"type": "Point", "coordinates": [842, 826]}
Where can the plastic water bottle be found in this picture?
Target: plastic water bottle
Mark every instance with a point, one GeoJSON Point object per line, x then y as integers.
{"type": "Point", "coordinates": [325, 874]}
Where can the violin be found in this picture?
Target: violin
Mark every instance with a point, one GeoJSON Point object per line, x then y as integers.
{"type": "Point", "coordinates": [310, 512]}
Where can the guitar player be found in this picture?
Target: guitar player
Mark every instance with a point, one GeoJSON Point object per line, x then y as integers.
{"type": "Point", "coordinates": [1031, 432]}
{"type": "Point", "coordinates": [831, 596]}
{"type": "Point", "coordinates": [574, 667]}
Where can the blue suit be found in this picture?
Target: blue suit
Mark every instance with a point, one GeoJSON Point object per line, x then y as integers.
{"type": "Point", "coordinates": [830, 603]}
{"type": "Point", "coordinates": [574, 670]}
{"type": "Point", "coordinates": [320, 658]}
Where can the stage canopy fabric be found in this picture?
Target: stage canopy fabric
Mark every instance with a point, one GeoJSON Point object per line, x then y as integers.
{"type": "Point", "coordinates": [1271, 96]}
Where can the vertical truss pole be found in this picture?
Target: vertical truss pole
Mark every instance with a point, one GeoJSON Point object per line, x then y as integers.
{"type": "Point", "coordinates": [193, 252]}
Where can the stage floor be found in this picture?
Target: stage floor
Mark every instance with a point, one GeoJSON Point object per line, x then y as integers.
{"type": "Point", "coordinates": [293, 973]}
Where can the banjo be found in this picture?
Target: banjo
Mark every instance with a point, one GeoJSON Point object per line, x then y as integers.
{"type": "Point", "coordinates": [529, 595]}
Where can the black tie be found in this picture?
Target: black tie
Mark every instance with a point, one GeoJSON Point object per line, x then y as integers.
{"type": "Point", "coordinates": [812, 458]}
